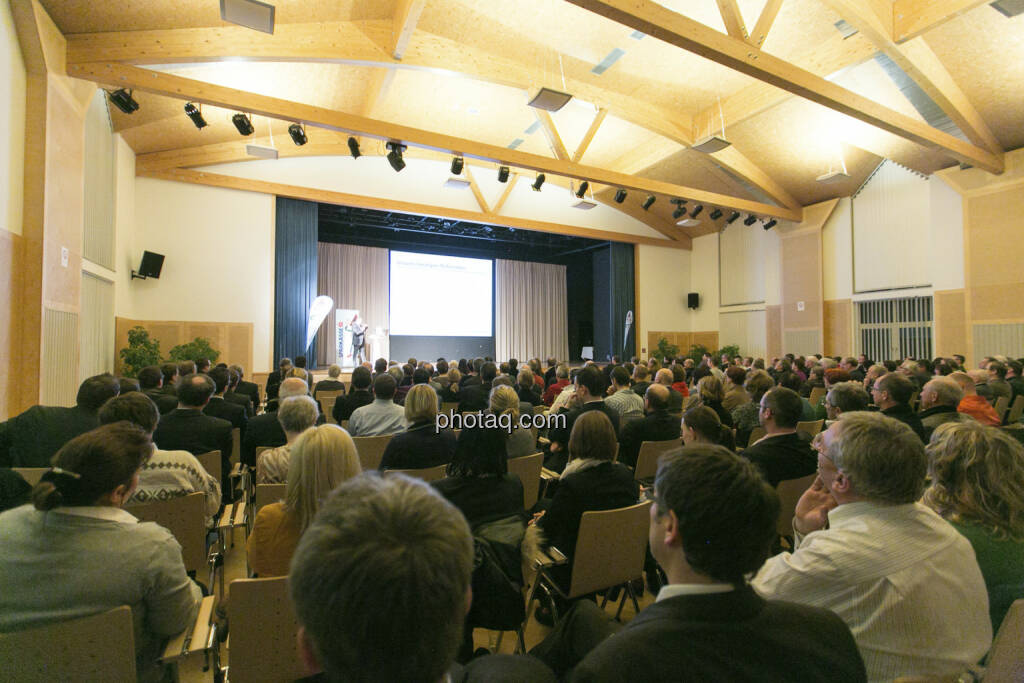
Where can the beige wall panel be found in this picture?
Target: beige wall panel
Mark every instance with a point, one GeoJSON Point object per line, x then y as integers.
{"type": "Point", "coordinates": [64, 200]}
{"type": "Point", "coordinates": [950, 323]}
{"type": "Point", "coordinates": [996, 280]}
{"type": "Point", "coordinates": [708, 340]}
{"type": "Point", "coordinates": [10, 322]}
{"type": "Point", "coordinates": [838, 340]}
{"type": "Point", "coordinates": [801, 280]}
{"type": "Point", "coordinates": [997, 302]}
{"type": "Point", "coordinates": [233, 340]}
{"type": "Point", "coordinates": [773, 331]}
{"type": "Point", "coordinates": [238, 348]}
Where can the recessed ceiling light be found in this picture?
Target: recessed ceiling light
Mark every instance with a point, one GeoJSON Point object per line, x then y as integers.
{"type": "Point", "coordinates": [711, 144]}
{"type": "Point", "coordinates": [584, 204]}
{"type": "Point", "coordinates": [457, 183]}
{"type": "Point", "coordinates": [550, 100]}
{"type": "Point", "coordinates": [261, 151]}
{"type": "Point", "coordinates": [253, 14]}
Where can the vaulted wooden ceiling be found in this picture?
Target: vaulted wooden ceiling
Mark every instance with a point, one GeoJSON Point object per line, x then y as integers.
{"type": "Point", "coordinates": [799, 91]}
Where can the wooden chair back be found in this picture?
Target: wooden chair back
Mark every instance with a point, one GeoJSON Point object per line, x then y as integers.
{"type": "Point", "coordinates": [426, 473]}
{"type": "Point", "coordinates": [1002, 405]}
{"type": "Point", "coordinates": [789, 492]}
{"type": "Point", "coordinates": [1006, 658]}
{"type": "Point", "coordinates": [527, 468]}
{"type": "Point", "coordinates": [811, 427]}
{"type": "Point", "coordinates": [31, 474]}
{"type": "Point", "coordinates": [211, 463]}
{"type": "Point", "coordinates": [267, 494]}
{"type": "Point", "coordinates": [817, 393]}
{"type": "Point", "coordinates": [263, 628]}
{"type": "Point", "coordinates": [756, 434]}
{"type": "Point", "coordinates": [647, 460]}
{"type": "Point", "coordinates": [610, 548]}
{"type": "Point", "coordinates": [371, 450]}
{"type": "Point", "coordinates": [236, 445]}
{"type": "Point", "coordinates": [327, 400]}
{"type": "Point", "coordinates": [185, 518]}
{"type": "Point", "coordinates": [1016, 410]}
{"type": "Point", "coordinates": [450, 407]}
{"type": "Point", "coordinates": [100, 647]}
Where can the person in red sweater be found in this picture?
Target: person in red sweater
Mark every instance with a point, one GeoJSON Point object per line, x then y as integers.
{"type": "Point", "coordinates": [972, 404]}
{"type": "Point", "coordinates": [679, 380]}
{"type": "Point", "coordinates": [561, 382]}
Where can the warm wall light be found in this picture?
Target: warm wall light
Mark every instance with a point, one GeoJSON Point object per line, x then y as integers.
{"type": "Point", "coordinates": [196, 114]}
{"type": "Point", "coordinates": [243, 123]}
{"type": "Point", "coordinates": [353, 148]}
{"type": "Point", "coordinates": [395, 155]}
{"type": "Point", "coordinates": [298, 134]}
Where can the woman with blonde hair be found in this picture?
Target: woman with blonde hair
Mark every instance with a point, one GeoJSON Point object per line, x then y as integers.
{"type": "Point", "coordinates": [519, 441]}
{"type": "Point", "coordinates": [977, 485]}
{"type": "Point", "coordinates": [422, 444]}
{"type": "Point", "coordinates": [321, 459]}
{"type": "Point", "coordinates": [711, 393]}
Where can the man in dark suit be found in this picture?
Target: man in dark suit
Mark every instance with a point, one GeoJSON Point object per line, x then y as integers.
{"type": "Point", "coordinates": [657, 425]}
{"type": "Point", "coordinates": [233, 396]}
{"type": "Point", "coordinates": [358, 397]}
{"type": "Point", "coordinates": [277, 376]}
{"type": "Point", "coordinates": [33, 437]}
{"type": "Point", "coordinates": [707, 623]}
{"type": "Point", "coordinates": [250, 389]}
{"type": "Point", "coordinates": [666, 378]}
{"type": "Point", "coordinates": [265, 430]}
{"type": "Point", "coordinates": [170, 373]}
{"type": "Point", "coordinates": [151, 382]}
{"type": "Point", "coordinates": [891, 393]}
{"type": "Point", "coordinates": [187, 428]}
{"type": "Point", "coordinates": [783, 453]}
{"type": "Point", "coordinates": [476, 395]}
{"type": "Point", "coordinates": [590, 388]}
{"type": "Point", "coordinates": [221, 407]}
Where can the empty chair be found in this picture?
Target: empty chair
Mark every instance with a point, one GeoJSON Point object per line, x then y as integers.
{"type": "Point", "coordinates": [263, 628]}
{"type": "Point", "coordinates": [647, 460]}
{"type": "Point", "coordinates": [371, 449]}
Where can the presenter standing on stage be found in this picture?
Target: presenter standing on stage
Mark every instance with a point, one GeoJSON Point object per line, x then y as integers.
{"type": "Point", "coordinates": [358, 339]}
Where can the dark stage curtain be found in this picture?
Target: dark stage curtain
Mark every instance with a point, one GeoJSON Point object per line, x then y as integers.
{"type": "Point", "coordinates": [295, 269]}
{"type": "Point", "coordinates": [622, 299]}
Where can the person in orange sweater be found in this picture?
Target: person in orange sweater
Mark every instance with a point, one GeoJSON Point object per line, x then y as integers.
{"type": "Point", "coordinates": [972, 404]}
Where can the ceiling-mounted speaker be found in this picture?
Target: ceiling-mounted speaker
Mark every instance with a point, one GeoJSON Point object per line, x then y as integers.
{"type": "Point", "coordinates": [150, 267]}
{"type": "Point", "coordinates": [693, 300]}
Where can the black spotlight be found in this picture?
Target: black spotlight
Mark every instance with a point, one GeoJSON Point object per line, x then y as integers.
{"type": "Point", "coordinates": [123, 100]}
{"type": "Point", "coordinates": [582, 189]}
{"type": "Point", "coordinates": [732, 219]}
{"type": "Point", "coordinates": [298, 134]}
{"type": "Point", "coordinates": [750, 219]}
{"type": "Point", "coordinates": [243, 123]}
{"type": "Point", "coordinates": [678, 213]}
{"type": "Point", "coordinates": [677, 201]}
{"type": "Point", "coordinates": [538, 182]}
{"type": "Point", "coordinates": [770, 224]}
{"type": "Point", "coordinates": [457, 164]}
{"type": "Point", "coordinates": [395, 155]}
{"type": "Point", "coordinates": [503, 172]}
{"type": "Point", "coordinates": [620, 196]}
{"type": "Point", "coordinates": [194, 113]}
{"type": "Point", "coordinates": [715, 215]}
{"type": "Point", "coordinates": [696, 210]}
{"type": "Point", "coordinates": [648, 202]}
{"type": "Point", "coordinates": [353, 148]}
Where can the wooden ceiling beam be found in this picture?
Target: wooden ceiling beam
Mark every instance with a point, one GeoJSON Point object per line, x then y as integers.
{"type": "Point", "coordinates": [912, 18]}
{"type": "Point", "coordinates": [685, 33]}
{"type": "Point", "coordinates": [919, 62]}
{"type": "Point", "coordinates": [588, 137]}
{"type": "Point", "coordinates": [160, 83]}
{"type": "Point", "coordinates": [764, 22]}
{"type": "Point", "coordinates": [551, 133]}
{"type": "Point", "coordinates": [407, 15]}
{"type": "Point", "coordinates": [477, 194]}
{"type": "Point", "coordinates": [364, 202]}
{"type": "Point", "coordinates": [732, 18]}
{"type": "Point", "coordinates": [513, 179]}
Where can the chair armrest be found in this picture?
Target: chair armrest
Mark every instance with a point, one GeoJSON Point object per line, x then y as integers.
{"type": "Point", "coordinates": [197, 632]}
{"type": "Point", "coordinates": [545, 473]}
{"type": "Point", "coordinates": [551, 557]}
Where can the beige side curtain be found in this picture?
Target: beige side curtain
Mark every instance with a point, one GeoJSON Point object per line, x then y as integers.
{"type": "Point", "coordinates": [531, 316]}
{"type": "Point", "coordinates": [354, 277]}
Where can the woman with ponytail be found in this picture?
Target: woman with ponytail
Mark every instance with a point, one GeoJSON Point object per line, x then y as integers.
{"type": "Point", "coordinates": [75, 552]}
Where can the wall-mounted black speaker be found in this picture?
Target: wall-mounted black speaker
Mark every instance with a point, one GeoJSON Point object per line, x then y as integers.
{"type": "Point", "coordinates": [152, 264]}
{"type": "Point", "coordinates": [693, 300]}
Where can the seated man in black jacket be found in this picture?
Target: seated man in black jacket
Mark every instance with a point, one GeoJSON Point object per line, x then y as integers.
{"type": "Point", "coordinates": [707, 624]}
{"type": "Point", "coordinates": [358, 396]}
{"type": "Point", "coordinates": [590, 388]}
{"type": "Point", "coordinates": [891, 393]}
{"type": "Point", "coordinates": [151, 382]}
{"type": "Point", "coordinates": [657, 425]}
{"type": "Point", "coordinates": [783, 453]}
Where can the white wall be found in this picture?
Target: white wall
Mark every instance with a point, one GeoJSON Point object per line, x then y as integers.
{"type": "Point", "coordinates": [125, 256]}
{"type": "Point", "coordinates": [219, 265]}
{"type": "Point", "coordinates": [704, 281]}
{"type": "Point", "coordinates": [663, 280]}
{"type": "Point", "coordinates": [741, 253]}
{"type": "Point", "coordinates": [12, 124]}
{"type": "Point", "coordinates": [837, 262]}
{"type": "Point", "coordinates": [422, 182]}
{"type": "Point", "coordinates": [946, 246]}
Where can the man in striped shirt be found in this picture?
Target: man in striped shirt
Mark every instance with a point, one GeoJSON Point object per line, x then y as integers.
{"type": "Point", "coordinates": [904, 581]}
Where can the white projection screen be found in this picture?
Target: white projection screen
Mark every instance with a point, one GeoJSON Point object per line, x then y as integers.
{"type": "Point", "coordinates": [440, 296]}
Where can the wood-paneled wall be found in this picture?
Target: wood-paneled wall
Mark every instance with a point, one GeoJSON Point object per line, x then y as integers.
{"type": "Point", "coordinates": [233, 340]}
{"type": "Point", "coordinates": [838, 332]}
{"type": "Point", "coordinates": [950, 322]}
{"type": "Point", "coordinates": [773, 331]}
{"type": "Point", "coordinates": [684, 340]}
{"type": "Point", "coordinates": [10, 323]}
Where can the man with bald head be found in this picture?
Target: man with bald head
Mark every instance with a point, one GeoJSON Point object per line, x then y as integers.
{"type": "Point", "coordinates": [939, 399]}
{"type": "Point", "coordinates": [657, 425]}
{"type": "Point", "coordinates": [972, 404]}
{"type": "Point", "coordinates": [265, 430]}
{"type": "Point", "coordinates": [675, 398]}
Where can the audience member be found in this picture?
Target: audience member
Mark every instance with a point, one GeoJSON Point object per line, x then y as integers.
{"type": "Point", "coordinates": [981, 386]}
{"type": "Point", "coordinates": [641, 381]}
{"type": "Point", "coordinates": [332, 383]}
{"type": "Point", "coordinates": [679, 379]}
{"type": "Point", "coordinates": [939, 400]}
{"type": "Point", "coordinates": [31, 438]}
{"type": "Point", "coordinates": [296, 415]}
{"type": "Point", "coordinates": [561, 380]}
{"type": "Point", "coordinates": [275, 378]}
{"type": "Point", "coordinates": [845, 397]}
{"type": "Point", "coordinates": [746, 416]}
{"type": "Point", "coordinates": [707, 624]}
{"type": "Point", "coordinates": [815, 380]}
{"type": "Point", "coordinates": [590, 394]}
{"type": "Point", "coordinates": [170, 373]}
{"type": "Point", "coordinates": [250, 389]}
{"type": "Point", "coordinates": [264, 429]}
{"type": "Point", "coordinates": [233, 396]}
{"type": "Point", "coordinates": [151, 382]}
{"type": "Point", "coordinates": [657, 425]}
{"type": "Point", "coordinates": [710, 393]}
{"type": "Point", "coordinates": [75, 552]}
{"type": "Point", "coordinates": [623, 400]}
{"type": "Point", "coordinates": [997, 381]}
{"type": "Point", "coordinates": [450, 391]}
{"type": "Point", "coordinates": [700, 424]}
{"type": "Point", "coordinates": [164, 474]}
{"type": "Point", "coordinates": [977, 485]}
{"type": "Point", "coordinates": [527, 389]}
{"type": "Point", "coordinates": [519, 441]}
{"type": "Point", "coordinates": [218, 406]}
{"type": "Point", "coordinates": [358, 395]}
{"type": "Point", "coordinates": [478, 482]}
{"type": "Point", "coordinates": [735, 394]}
{"type": "Point", "coordinates": [783, 453]}
{"type": "Point", "coordinates": [321, 459]}
{"type": "Point", "coordinates": [473, 395]}
{"type": "Point", "coordinates": [891, 393]}
{"type": "Point", "coordinates": [665, 377]}
{"type": "Point", "coordinates": [904, 581]}
{"type": "Point", "coordinates": [972, 404]}
{"type": "Point", "coordinates": [383, 416]}
{"type": "Point", "coordinates": [422, 444]}
{"type": "Point", "coordinates": [186, 367]}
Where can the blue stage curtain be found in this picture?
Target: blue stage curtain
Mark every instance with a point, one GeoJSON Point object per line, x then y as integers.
{"type": "Point", "coordinates": [295, 270]}
{"type": "Point", "coordinates": [622, 300]}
